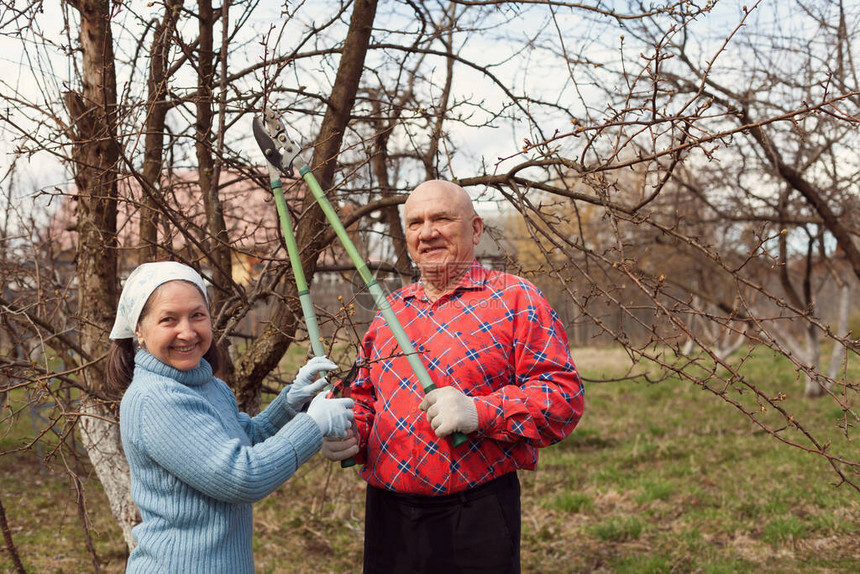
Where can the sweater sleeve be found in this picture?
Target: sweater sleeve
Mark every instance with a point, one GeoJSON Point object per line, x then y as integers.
{"type": "Point", "coordinates": [188, 436]}
{"type": "Point", "coordinates": [267, 423]}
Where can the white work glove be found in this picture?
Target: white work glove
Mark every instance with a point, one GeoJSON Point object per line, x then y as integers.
{"type": "Point", "coordinates": [333, 416]}
{"type": "Point", "coordinates": [307, 384]}
{"type": "Point", "coordinates": [337, 449]}
{"type": "Point", "coordinates": [449, 410]}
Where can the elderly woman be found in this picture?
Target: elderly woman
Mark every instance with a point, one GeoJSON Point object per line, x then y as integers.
{"type": "Point", "coordinates": [197, 463]}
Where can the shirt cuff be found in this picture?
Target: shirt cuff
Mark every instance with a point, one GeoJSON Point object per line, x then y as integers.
{"type": "Point", "coordinates": [489, 414]}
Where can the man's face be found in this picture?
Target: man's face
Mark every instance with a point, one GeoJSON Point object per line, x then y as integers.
{"type": "Point", "coordinates": [442, 229]}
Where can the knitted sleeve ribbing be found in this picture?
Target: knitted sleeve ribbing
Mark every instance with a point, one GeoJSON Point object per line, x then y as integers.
{"type": "Point", "coordinates": [192, 439]}
{"type": "Point", "coordinates": [267, 423]}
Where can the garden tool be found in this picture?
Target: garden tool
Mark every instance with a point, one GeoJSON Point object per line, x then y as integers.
{"type": "Point", "coordinates": [282, 155]}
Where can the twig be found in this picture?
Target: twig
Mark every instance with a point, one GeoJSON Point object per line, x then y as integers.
{"type": "Point", "coordinates": [10, 545]}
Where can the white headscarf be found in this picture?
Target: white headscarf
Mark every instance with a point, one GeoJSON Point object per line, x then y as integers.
{"type": "Point", "coordinates": [140, 285]}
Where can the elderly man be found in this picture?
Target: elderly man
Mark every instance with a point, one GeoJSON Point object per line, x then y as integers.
{"type": "Point", "coordinates": [499, 357]}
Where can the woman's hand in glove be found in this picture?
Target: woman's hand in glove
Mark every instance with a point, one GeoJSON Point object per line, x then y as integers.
{"type": "Point", "coordinates": [333, 416]}
{"type": "Point", "coordinates": [307, 384]}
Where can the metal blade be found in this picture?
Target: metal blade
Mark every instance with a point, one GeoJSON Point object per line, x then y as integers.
{"type": "Point", "coordinates": [266, 143]}
{"type": "Point", "coordinates": [272, 138]}
{"type": "Point", "coordinates": [285, 147]}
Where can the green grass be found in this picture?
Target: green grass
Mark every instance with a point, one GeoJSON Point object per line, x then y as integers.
{"type": "Point", "coordinates": [617, 529]}
{"type": "Point", "coordinates": [663, 477]}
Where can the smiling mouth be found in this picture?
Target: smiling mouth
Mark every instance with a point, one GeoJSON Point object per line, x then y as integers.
{"type": "Point", "coordinates": [186, 349]}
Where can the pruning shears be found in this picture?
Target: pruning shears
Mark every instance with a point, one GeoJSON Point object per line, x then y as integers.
{"type": "Point", "coordinates": [271, 136]}
{"type": "Point", "coordinates": [282, 155]}
{"type": "Point", "coordinates": [341, 387]}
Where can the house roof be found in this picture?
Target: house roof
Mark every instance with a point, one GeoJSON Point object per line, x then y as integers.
{"type": "Point", "coordinates": [249, 212]}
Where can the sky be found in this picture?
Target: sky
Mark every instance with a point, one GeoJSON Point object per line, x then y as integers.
{"type": "Point", "coordinates": [43, 171]}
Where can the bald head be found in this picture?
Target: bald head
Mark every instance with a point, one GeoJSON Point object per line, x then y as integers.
{"type": "Point", "coordinates": [442, 230]}
{"type": "Point", "coordinates": [445, 192]}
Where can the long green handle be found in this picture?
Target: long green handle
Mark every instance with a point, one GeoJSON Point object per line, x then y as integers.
{"type": "Point", "coordinates": [299, 273]}
{"type": "Point", "coordinates": [379, 298]}
{"type": "Point", "coordinates": [296, 263]}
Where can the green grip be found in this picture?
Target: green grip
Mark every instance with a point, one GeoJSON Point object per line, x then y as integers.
{"type": "Point", "coordinates": [459, 438]}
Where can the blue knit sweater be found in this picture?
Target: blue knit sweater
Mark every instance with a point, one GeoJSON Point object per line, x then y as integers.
{"type": "Point", "coordinates": [197, 464]}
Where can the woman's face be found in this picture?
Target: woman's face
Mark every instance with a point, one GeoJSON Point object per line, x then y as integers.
{"type": "Point", "coordinates": [175, 326]}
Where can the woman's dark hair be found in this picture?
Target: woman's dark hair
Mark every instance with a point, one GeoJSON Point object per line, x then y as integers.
{"type": "Point", "coordinates": [119, 368]}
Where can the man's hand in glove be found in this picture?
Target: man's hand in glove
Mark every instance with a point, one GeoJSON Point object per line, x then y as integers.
{"type": "Point", "coordinates": [449, 410]}
{"type": "Point", "coordinates": [307, 384]}
{"type": "Point", "coordinates": [333, 416]}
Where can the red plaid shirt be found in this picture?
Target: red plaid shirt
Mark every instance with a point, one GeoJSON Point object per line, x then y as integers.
{"type": "Point", "coordinates": [496, 338]}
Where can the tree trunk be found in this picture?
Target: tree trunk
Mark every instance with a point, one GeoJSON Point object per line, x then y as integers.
{"type": "Point", "coordinates": [380, 164]}
{"type": "Point", "coordinates": [333, 127]}
{"type": "Point", "coordinates": [10, 544]}
{"type": "Point", "coordinates": [96, 154]}
{"type": "Point", "coordinates": [102, 442]}
{"type": "Point", "coordinates": [812, 340]}
{"type": "Point", "coordinates": [208, 172]}
{"type": "Point", "coordinates": [837, 357]}
{"type": "Point", "coordinates": [264, 354]}
{"type": "Point", "coordinates": [153, 155]}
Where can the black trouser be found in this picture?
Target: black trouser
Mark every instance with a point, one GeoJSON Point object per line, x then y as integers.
{"type": "Point", "coordinates": [477, 530]}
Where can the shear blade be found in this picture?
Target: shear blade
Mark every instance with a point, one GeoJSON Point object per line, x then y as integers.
{"type": "Point", "coordinates": [274, 143]}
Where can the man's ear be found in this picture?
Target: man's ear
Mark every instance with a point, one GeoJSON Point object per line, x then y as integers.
{"type": "Point", "coordinates": [477, 229]}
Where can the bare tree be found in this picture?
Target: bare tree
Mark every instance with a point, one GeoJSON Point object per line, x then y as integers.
{"type": "Point", "coordinates": [741, 218]}
{"type": "Point", "coordinates": [691, 198]}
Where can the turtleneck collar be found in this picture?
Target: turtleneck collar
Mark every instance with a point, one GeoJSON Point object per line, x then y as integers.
{"type": "Point", "coordinates": [199, 375]}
